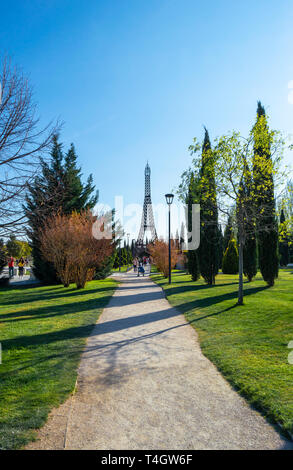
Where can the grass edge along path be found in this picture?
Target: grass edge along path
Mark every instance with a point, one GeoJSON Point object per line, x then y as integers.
{"type": "Point", "coordinates": [248, 344]}
{"type": "Point", "coordinates": [43, 331]}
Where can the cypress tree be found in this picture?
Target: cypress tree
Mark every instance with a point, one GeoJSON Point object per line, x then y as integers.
{"type": "Point", "coordinates": [283, 246]}
{"type": "Point", "coordinates": [58, 188]}
{"type": "Point", "coordinates": [230, 258]}
{"type": "Point", "coordinates": [267, 228]}
{"type": "Point", "coordinates": [209, 236]}
{"type": "Point", "coordinates": [192, 255]}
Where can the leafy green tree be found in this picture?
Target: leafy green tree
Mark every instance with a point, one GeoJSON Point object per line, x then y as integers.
{"type": "Point", "coordinates": [230, 259]}
{"type": "Point", "coordinates": [234, 165]}
{"type": "Point", "coordinates": [209, 236]}
{"type": "Point", "coordinates": [13, 247]}
{"type": "Point", "coordinates": [57, 189]}
{"type": "Point", "coordinates": [264, 198]}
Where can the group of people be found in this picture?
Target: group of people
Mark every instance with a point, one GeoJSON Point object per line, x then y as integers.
{"type": "Point", "coordinates": [20, 263]}
{"type": "Point", "coordinates": [140, 263]}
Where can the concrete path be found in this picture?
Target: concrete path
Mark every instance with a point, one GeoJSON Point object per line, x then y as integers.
{"type": "Point", "coordinates": [143, 383]}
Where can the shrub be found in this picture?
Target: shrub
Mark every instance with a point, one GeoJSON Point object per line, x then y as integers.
{"type": "Point", "coordinates": [68, 242]}
{"type": "Point", "coordinates": [230, 259]}
{"type": "Point", "coordinates": [159, 251]}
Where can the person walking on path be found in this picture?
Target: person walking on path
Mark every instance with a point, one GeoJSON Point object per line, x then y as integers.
{"type": "Point", "coordinates": [21, 264]}
{"type": "Point", "coordinates": [135, 264]}
{"type": "Point", "coordinates": [11, 267]}
{"type": "Point", "coordinates": [140, 269]}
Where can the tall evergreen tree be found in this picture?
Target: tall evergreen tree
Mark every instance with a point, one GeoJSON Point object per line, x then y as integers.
{"type": "Point", "coordinates": [284, 245]}
{"type": "Point", "coordinates": [230, 259]}
{"type": "Point", "coordinates": [264, 200]}
{"type": "Point", "coordinates": [57, 189]}
{"type": "Point", "coordinates": [192, 255]}
{"type": "Point", "coordinates": [249, 232]}
{"type": "Point", "coordinates": [77, 196]}
{"type": "Point", "coordinates": [209, 236]}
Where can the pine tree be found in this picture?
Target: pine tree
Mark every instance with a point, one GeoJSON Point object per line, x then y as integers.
{"type": "Point", "coordinates": [44, 199]}
{"type": "Point", "coordinates": [209, 236]}
{"type": "Point", "coordinates": [77, 196]}
{"type": "Point", "coordinates": [192, 255]}
{"type": "Point", "coordinates": [230, 258]}
{"type": "Point", "coordinates": [57, 189]}
{"type": "Point", "coordinates": [283, 246]}
{"type": "Point", "coordinates": [264, 199]}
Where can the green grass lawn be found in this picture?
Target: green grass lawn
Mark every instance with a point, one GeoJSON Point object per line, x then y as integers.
{"type": "Point", "coordinates": [123, 269]}
{"type": "Point", "coordinates": [248, 344]}
{"type": "Point", "coordinates": [43, 331]}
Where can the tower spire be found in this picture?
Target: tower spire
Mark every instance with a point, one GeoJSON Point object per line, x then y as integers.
{"type": "Point", "coordinates": [147, 219]}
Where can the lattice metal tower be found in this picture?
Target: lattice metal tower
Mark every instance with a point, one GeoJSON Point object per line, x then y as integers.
{"type": "Point", "coordinates": [147, 219]}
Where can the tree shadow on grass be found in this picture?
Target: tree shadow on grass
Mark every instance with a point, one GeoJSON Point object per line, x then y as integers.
{"type": "Point", "coordinates": [213, 300]}
{"type": "Point", "coordinates": [40, 296]}
{"type": "Point", "coordinates": [56, 310]}
{"type": "Point", "coordinates": [104, 328]}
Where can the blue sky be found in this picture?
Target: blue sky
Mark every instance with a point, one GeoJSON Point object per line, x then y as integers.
{"type": "Point", "coordinates": [136, 80]}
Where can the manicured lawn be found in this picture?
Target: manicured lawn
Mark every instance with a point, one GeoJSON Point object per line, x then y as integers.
{"type": "Point", "coordinates": [43, 331]}
{"type": "Point", "coordinates": [122, 270]}
{"type": "Point", "coordinates": [248, 344]}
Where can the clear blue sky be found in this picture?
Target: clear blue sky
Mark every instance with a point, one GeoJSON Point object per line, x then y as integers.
{"type": "Point", "coordinates": [136, 80]}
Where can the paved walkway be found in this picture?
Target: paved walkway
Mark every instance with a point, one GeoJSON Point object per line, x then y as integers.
{"type": "Point", "coordinates": [144, 384]}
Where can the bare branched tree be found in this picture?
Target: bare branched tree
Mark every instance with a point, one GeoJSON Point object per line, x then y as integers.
{"type": "Point", "coordinates": [22, 142]}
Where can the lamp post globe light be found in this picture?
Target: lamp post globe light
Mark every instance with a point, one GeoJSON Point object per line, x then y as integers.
{"type": "Point", "coordinates": [169, 200]}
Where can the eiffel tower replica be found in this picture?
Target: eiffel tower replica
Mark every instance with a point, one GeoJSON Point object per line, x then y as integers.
{"type": "Point", "coordinates": [147, 219]}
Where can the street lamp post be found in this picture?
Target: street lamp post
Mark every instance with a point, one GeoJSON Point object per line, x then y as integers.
{"type": "Point", "coordinates": [169, 200]}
